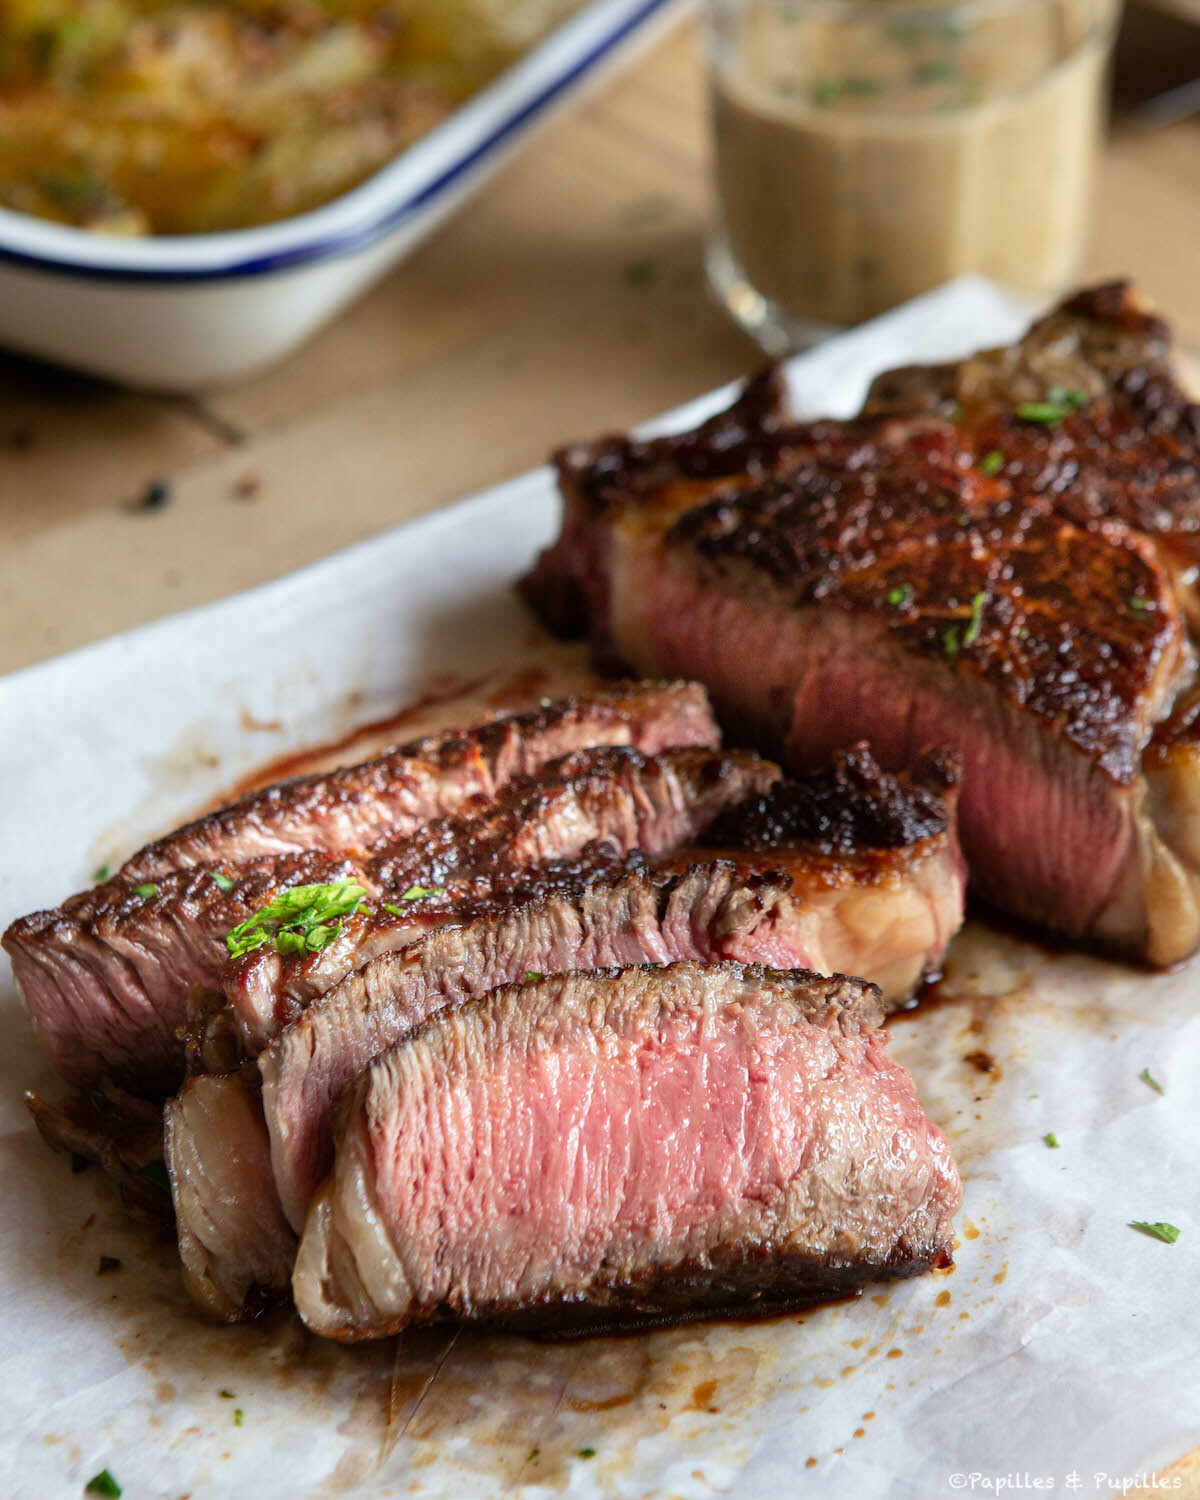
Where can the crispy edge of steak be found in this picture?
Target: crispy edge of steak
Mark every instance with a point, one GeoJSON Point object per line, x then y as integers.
{"type": "Point", "coordinates": [839, 1176]}
{"type": "Point", "coordinates": [106, 978]}
{"type": "Point", "coordinates": [358, 806]}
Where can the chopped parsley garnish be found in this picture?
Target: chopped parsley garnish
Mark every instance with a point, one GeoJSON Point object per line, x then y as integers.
{"type": "Point", "coordinates": [238, 1414]}
{"type": "Point", "coordinates": [395, 910]}
{"type": "Point", "coordinates": [1140, 605]}
{"type": "Point", "coordinates": [100, 875]}
{"type": "Point", "coordinates": [1147, 1077]}
{"type": "Point", "coordinates": [419, 892]}
{"type": "Point", "coordinates": [103, 1484]}
{"type": "Point", "coordinates": [108, 1263]}
{"type": "Point", "coordinates": [991, 463]}
{"type": "Point", "coordinates": [1160, 1231]}
{"type": "Point", "coordinates": [226, 882]}
{"type": "Point", "coordinates": [587, 1452]}
{"type": "Point", "coordinates": [226, 1395]}
{"type": "Point", "coordinates": [950, 642]}
{"type": "Point", "coordinates": [971, 634]}
{"type": "Point", "coordinates": [533, 1453]}
{"type": "Point", "coordinates": [146, 891]}
{"type": "Point", "coordinates": [156, 1172]}
{"type": "Point", "coordinates": [531, 975]}
{"type": "Point", "coordinates": [303, 920]}
{"type": "Point", "coordinates": [1060, 403]}
{"type": "Point", "coordinates": [1051, 1140]}
{"type": "Point", "coordinates": [901, 596]}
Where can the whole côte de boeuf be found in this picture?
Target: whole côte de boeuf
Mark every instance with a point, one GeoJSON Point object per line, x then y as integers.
{"type": "Point", "coordinates": [623, 1146]}
{"type": "Point", "coordinates": [998, 555]}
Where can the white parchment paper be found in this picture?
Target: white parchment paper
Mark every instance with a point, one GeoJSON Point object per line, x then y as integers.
{"type": "Point", "coordinates": [1062, 1347]}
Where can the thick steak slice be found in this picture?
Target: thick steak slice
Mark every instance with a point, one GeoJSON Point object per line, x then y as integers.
{"type": "Point", "coordinates": [1049, 689]}
{"type": "Point", "coordinates": [359, 806]}
{"type": "Point", "coordinates": [947, 570]}
{"type": "Point", "coordinates": [624, 1145]}
{"type": "Point", "coordinates": [108, 986]}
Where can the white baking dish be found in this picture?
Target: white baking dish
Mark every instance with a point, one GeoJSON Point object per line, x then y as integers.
{"type": "Point", "coordinates": [190, 311]}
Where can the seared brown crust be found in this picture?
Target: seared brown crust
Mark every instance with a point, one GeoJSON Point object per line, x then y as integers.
{"type": "Point", "coordinates": [852, 807]}
{"type": "Point", "coordinates": [1129, 451]}
{"type": "Point", "coordinates": [744, 1282]}
{"type": "Point", "coordinates": [1079, 626]}
{"type": "Point", "coordinates": [291, 813]}
{"type": "Point", "coordinates": [743, 438]}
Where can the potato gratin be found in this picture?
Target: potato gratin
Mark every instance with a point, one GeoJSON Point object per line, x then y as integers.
{"type": "Point", "coordinates": [151, 117]}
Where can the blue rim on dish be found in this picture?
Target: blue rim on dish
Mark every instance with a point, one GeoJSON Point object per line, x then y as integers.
{"type": "Point", "coordinates": [356, 237]}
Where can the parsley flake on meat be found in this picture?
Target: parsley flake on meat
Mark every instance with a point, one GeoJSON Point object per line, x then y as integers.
{"type": "Point", "coordinates": [304, 919]}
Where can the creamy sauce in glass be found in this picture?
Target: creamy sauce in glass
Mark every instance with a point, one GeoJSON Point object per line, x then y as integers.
{"type": "Point", "coordinates": [863, 161]}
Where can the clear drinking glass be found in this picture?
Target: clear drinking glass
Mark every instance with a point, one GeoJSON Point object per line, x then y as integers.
{"type": "Point", "coordinates": [868, 150]}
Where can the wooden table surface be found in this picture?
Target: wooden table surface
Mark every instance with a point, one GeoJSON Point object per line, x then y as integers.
{"type": "Point", "coordinates": [568, 299]}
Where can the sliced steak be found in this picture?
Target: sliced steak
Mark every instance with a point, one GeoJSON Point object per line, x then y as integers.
{"type": "Point", "coordinates": [107, 979]}
{"type": "Point", "coordinates": [120, 1133]}
{"type": "Point", "coordinates": [604, 804]}
{"type": "Point", "coordinates": [627, 1145]}
{"type": "Point", "coordinates": [618, 800]}
{"type": "Point", "coordinates": [851, 869]}
{"type": "Point", "coordinates": [852, 812]}
{"type": "Point", "coordinates": [357, 807]}
{"type": "Point", "coordinates": [945, 570]}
